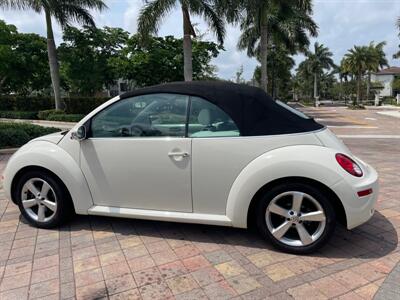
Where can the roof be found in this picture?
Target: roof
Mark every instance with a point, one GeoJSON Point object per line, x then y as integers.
{"type": "Point", "coordinates": [389, 71]}
{"type": "Point", "coordinates": [253, 111]}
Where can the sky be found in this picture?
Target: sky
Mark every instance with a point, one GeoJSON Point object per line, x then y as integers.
{"type": "Point", "coordinates": [342, 24]}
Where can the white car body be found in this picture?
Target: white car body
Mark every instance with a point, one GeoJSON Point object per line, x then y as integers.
{"type": "Point", "coordinates": [213, 184]}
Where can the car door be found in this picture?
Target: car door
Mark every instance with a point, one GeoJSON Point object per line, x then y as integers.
{"type": "Point", "coordinates": [218, 155]}
{"type": "Point", "coordinates": [137, 156]}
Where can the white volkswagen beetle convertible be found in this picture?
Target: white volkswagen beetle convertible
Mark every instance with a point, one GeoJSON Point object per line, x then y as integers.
{"type": "Point", "coordinates": [201, 152]}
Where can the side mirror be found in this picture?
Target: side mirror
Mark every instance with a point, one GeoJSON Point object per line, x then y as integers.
{"type": "Point", "coordinates": [79, 134]}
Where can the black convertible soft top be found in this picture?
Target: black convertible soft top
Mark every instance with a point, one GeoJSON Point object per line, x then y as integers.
{"type": "Point", "coordinates": [253, 111]}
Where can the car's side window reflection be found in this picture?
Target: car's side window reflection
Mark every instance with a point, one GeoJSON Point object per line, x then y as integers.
{"type": "Point", "coordinates": [208, 120]}
{"type": "Point", "coordinates": [151, 115]}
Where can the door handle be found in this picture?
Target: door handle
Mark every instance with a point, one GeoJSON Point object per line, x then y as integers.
{"type": "Point", "coordinates": [181, 154]}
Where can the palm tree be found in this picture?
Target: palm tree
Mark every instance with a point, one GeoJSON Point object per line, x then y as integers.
{"type": "Point", "coordinates": [154, 11]}
{"type": "Point", "coordinates": [64, 12]}
{"type": "Point", "coordinates": [343, 76]}
{"type": "Point", "coordinates": [376, 60]}
{"type": "Point", "coordinates": [397, 55]}
{"type": "Point", "coordinates": [316, 62]}
{"type": "Point", "coordinates": [272, 22]}
{"type": "Point", "coordinates": [356, 62]}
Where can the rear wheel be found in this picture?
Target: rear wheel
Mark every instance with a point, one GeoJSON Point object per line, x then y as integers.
{"type": "Point", "coordinates": [296, 218]}
{"type": "Point", "coordinates": [43, 200]}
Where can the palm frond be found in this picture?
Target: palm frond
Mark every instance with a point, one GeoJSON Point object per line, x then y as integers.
{"type": "Point", "coordinates": [15, 4]}
{"type": "Point", "coordinates": [398, 24]}
{"type": "Point", "coordinates": [66, 13]}
{"type": "Point", "coordinates": [152, 14]}
{"type": "Point", "coordinates": [232, 10]}
{"type": "Point", "coordinates": [90, 4]}
{"type": "Point", "coordinates": [215, 22]}
{"type": "Point", "coordinates": [248, 40]}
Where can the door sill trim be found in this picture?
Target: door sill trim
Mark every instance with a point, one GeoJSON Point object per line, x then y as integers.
{"type": "Point", "coordinates": [158, 215]}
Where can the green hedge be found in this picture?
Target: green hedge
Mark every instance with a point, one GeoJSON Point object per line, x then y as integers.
{"type": "Point", "coordinates": [65, 117]}
{"type": "Point", "coordinates": [59, 115]}
{"type": "Point", "coordinates": [18, 134]}
{"type": "Point", "coordinates": [44, 114]}
{"type": "Point", "coordinates": [75, 105]}
{"type": "Point", "coordinates": [33, 115]}
{"type": "Point", "coordinates": [25, 103]}
{"type": "Point", "coordinates": [82, 105]}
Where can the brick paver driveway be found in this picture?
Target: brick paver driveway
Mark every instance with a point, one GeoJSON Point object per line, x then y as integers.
{"type": "Point", "coordinates": [97, 257]}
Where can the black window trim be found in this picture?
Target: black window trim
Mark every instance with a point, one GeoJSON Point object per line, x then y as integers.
{"type": "Point", "coordinates": [88, 123]}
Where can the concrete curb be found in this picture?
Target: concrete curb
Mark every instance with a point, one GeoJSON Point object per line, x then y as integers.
{"type": "Point", "coordinates": [8, 150]}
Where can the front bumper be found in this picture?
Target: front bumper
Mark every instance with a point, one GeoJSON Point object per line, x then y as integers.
{"type": "Point", "coordinates": [358, 209]}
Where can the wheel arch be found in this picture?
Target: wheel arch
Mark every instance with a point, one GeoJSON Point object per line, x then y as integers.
{"type": "Point", "coordinates": [50, 158]}
{"type": "Point", "coordinates": [30, 168]}
{"type": "Point", "coordinates": [313, 164]}
{"type": "Point", "coordinates": [335, 200]}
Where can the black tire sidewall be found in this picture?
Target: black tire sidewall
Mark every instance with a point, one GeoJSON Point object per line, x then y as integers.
{"type": "Point", "coordinates": [300, 187]}
{"type": "Point", "coordinates": [62, 210]}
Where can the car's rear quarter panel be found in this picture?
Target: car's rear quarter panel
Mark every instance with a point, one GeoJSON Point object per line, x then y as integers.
{"type": "Point", "coordinates": [217, 162]}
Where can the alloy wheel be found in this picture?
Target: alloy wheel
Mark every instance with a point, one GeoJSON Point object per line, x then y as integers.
{"type": "Point", "coordinates": [39, 200]}
{"type": "Point", "coordinates": [295, 218]}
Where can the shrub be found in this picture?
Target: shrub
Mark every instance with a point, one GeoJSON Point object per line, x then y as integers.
{"type": "Point", "coordinates": [7, 103]}
{"type": "Point", "coordinates": [18, 114]}
{"type": "Point", "coordinates": [356, 107]}
{"type": "Point", "coordinates": [65, 117]}
{"type": "Point", "coordinates": [11, 137]}
{"type": "Point", "coordinates": [33, 103]}
{"type": "Point", "coordinates": [389, 100]}
{"type": "Point", "coordinates": [24, 103]}
{"type": "Point", "coordinates": [59, 115]}
{"type": "Point", "coordinates": [82, 105]}
{"type": "Point", "coordinates": [17, 134]}
{"type": "Point", "coordinates": [44, 114]}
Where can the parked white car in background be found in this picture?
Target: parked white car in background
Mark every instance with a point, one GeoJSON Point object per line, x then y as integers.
{"type": "Point", "coordinates": [201, 152]}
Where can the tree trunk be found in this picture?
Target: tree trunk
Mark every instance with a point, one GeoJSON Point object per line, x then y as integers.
{"type": "Point", "coordinates": [187, 45]}
{"type": "Point", "coordinates": [315, 89]}
{"type": "Point", "coordinates": [54, 67]}
{"type": "Point", "coordinates": [2, 82]}
{"type": "Point", "coordinates": [368, 85]}
{"type": "Point", "coordinates": [264, 55]}
{"type": "Point", "coordinates": [358, 89]}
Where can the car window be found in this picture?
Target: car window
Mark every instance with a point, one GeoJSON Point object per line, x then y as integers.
{"type": "Point", "coordinates": [151, 115]}
{"type": "Point", "coordinates": [208, 120]}
{"type": "Point", "coordinates": [292, 110]}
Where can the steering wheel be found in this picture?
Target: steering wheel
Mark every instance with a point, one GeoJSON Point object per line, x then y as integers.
{"type": "Point", "coordinates": [136, 130]}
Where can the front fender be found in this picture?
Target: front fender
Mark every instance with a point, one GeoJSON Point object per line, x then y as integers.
{"type": "Point", "coordinates": [308, 161]}
{"type": "Point", "coordinates": [53, 158]}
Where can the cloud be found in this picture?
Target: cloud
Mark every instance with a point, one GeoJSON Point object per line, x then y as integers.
{"type": "Point", "coordinates": [344, 24]}
{"type": "Point", "coordinates": [131, 14]}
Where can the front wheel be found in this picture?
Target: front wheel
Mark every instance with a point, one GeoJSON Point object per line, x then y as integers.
{"type": "Point", "coordinates": [43, 200]}
{"type": "Point", "coordinates": [296, 218]}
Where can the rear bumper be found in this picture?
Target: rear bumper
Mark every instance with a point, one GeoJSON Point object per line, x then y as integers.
{"type": "Point", "coordinates": [358, 209]}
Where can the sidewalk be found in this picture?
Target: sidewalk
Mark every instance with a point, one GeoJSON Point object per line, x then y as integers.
{"type": "Point", "coordinates": [44, 123]}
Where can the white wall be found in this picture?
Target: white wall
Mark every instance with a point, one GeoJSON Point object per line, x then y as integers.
{"type": "Point", "coordinates": [386, 81]}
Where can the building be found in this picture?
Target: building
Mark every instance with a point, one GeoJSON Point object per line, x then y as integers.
{"type": "Point", "coordinates": [386, 77]}
{"type": "Point", "coordinates": [119, 87]}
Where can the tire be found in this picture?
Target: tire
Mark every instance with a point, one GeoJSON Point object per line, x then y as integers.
{"type": "Point", "coordinates": [278, 209]}
{"type": "Point", "coordinates": [51, 209]}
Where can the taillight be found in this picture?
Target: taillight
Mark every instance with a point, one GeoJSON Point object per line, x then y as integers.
{"type": "Point", "coordinates": [349, 165]}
